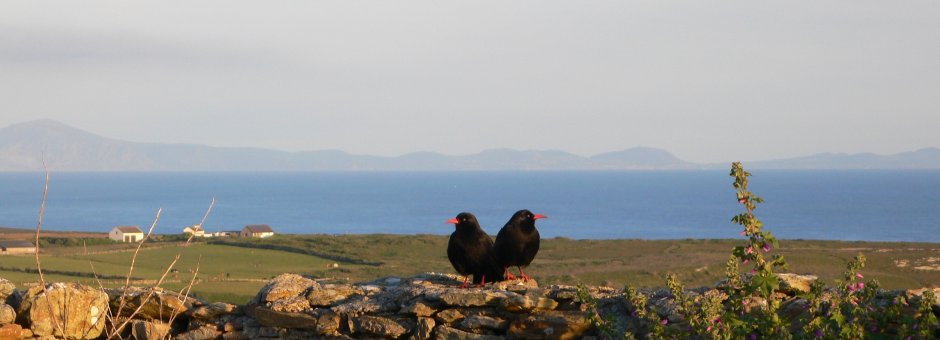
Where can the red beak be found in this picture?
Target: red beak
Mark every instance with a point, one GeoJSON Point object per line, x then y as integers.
{"type": "Point", "coordinates": [452, 221]}
{"type": "Point", "coordinates": [538, 216]}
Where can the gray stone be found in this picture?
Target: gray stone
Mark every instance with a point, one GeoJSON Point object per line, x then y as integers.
{"type": "Point", "coordinates": [417, 308]}
{"type": "Point", "coordinates": [201, 333]}
{"type": "Point", "coordinates": [294, 304]}
{"type": "Point", "coordinates": [794, 284]}
{"type": "Point", "coordinates": [6, 289]}
{"type": "Point", "coordinates": [424, 329]}
{"type": "Point", "coordinates": [920, 292]}
{"type": "Point", "coordinates": [329, 294]}
{"type": "Point", "coordinates": [237, 335]}
{"type": "Point", "coordinates": [157, 303]}
{"type": "Point", "coordinates": [273, 318]}
{"type": "Point", "coordinates": [479, 322]}
{"type": "Point", "coordinates": [381, 326]}
{"type": "Point", "coordinates": [7, 314]}
{"type": "Point", "coordinates": [147, 330]}
{"type": "Point", "coordinates": [285, 286]}
{"type": "Point", "coordinates": [364, 305]}
{"type": "Point", "coordinates": [213, 310]}
{"type": "Point", "coordinates": [550, 325]}
{"type": "Point", "coordinates": [469, 298]}
{"type": "Point", "coordinates": [443, 332]}
{"type": "Point", "coordinates": [66, 310]}
{"type": "Point", "coordinates": [525, 303]}
{"type": "Point", "coordinates": [449, 316]}
{"type": "Point", "coordinates": [328, 322]}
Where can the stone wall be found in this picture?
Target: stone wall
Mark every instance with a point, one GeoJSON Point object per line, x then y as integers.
{"type": "Point", "coordinates": [296, 307]}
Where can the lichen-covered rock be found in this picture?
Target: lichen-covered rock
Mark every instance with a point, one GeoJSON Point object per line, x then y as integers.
{"type": "Point", "coordinates": [329, 294]}
{"type": "Point", "coordinates": [6, 289]}
{"type": "Point", "coordinates": [365, 304]}
{"type": "Point", "coordinates": [516, 284]}
{"type": "Point", "coordinates": [66, 310]}
{"type": "Point", "coordinates": [793, 284]}
{"type": "Point", "coordinates": [285, 286]}
{"type": "Point", "coordinates": [443, 332]}
{"type": "Point", "coordinates": [528, 302]}
{"type": "Point", "coordinates": [201, 333]}
{"type": "Point", "coordinates": [147, 330]}
{"type": "Point", "coordinates": [423, 329]}
{"type": "Point", "coordinates": [550, 325]}
{"type": "Point", "coordinates": [449, 316]}
{"type": "Point", "coordinates": [328, 322]}
{"type": "Point", "coordinates": [468, 297]}
{"type": "Point", "coordinates": [293, 304]}
{"type": "Point", "coordinates": [213, 310]}
{"type": "Point", "coordinates": [273, 318]}
{"type": "Point", "coordinates": [7, 314]}
{"type": "Point", "coordinates": [920, 292]}
{"type": "Point", "coordinates": [417, 308]}
{"type": "Point", "coordinates": [154, 303]}
{"type": "Point", "coordinates": [382, 326]}
{"type": "Point", "coordinates": [482, 322]}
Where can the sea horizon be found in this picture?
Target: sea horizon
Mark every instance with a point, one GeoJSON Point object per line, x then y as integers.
{"type": "Point", "coordinates": [847, 205]}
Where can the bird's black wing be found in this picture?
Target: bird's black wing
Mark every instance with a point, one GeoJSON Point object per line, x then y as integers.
{"type": "Point", "coordinates": [457, 255]}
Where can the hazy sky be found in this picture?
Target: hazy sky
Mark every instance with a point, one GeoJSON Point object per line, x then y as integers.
{"type": "Point", "coordinates": [707, 80]}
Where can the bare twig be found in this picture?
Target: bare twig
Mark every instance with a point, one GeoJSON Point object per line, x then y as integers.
{"type": "Point", "coordinates": [203, 221]}
{"type": "Point", "coordinates": [143, 302]}
{"type": "Point", "coordinates": [108, 317]}
{"type": "Point", "coordinates": [117, 330]}
{"type": "Point", "coordinates": [42, 279]}
{"type": "Point", "coordinates": [183, 297]}
{"type": "Point", "coordinates": [130, 271]}
{"type": "Point", "coordinates": [42, 210]}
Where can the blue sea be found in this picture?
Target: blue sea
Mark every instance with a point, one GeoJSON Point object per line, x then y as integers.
{"type": "Point", "coordinates": [833, 205]}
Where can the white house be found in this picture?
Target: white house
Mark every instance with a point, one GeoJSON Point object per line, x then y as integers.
{"type": "Point", "coordinates": [196, 231]}
{"type": "Point", "coordinates": [126, 234]}
{"type": "Point", "coordinates": [257, 230]}
{"type": "Point", "coordinates": [10, 247]}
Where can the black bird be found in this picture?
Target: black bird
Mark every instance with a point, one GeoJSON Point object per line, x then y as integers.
{"type": "Point", "coordinates": [517, 243]}
{"type": "Point", "coordinates": [470, 250]}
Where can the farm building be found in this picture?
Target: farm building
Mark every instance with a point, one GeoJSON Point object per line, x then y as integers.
{"type": "Point", "coordinates": [257, 230]}
{"type": "Point", "coordinates": [16, 247]}
{"type": "Point", "coordinates": [126, 234]}
{"type": "Point", "coordinates": [196, 231]}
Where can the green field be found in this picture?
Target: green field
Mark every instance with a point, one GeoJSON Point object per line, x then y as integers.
{"type": "Point", "coordinates": [234, 269]}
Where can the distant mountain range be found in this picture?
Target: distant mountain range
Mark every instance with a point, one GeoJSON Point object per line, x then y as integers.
{"type": "Point", "coordinates": [69, 149]}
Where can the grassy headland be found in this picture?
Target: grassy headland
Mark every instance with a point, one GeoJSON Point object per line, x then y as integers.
{"type": "Point", "coordinates": [233, 269]}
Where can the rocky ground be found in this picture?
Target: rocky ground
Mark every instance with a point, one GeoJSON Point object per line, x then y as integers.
{"type": "Point", "coordinates": [295, 307]}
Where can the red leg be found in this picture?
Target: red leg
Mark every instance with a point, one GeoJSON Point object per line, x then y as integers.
{"type": "Point", "coordinates": [465, 285]}
{"type": "Point", "coordinates": [483, 281]}
{"type": "Point", "coordinates": [509, 275]}
{"type": "Point", "coordinates": [524, 276]}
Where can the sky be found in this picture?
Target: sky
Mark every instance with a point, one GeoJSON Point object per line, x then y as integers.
{"type": "Point", "coordinates": [710, 81]}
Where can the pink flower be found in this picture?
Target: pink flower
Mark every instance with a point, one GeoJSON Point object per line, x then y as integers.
{"type": "Point", "coordinates": [859, 275]}
{"type": "Point", "coordinates": [749, 250]}
{"type": "Point", "coordinates": [766, 247]}
{"type": "Point", "coordinates": [861, 285]}
{"type": "Point", "coordinates": [709, 329]}
{"type": "Point", "coordinates": [743, 232]}
{"type": "Point", "coordinates": [746, 261]}
{"type": "Point", "coordinates": [663, 322]}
